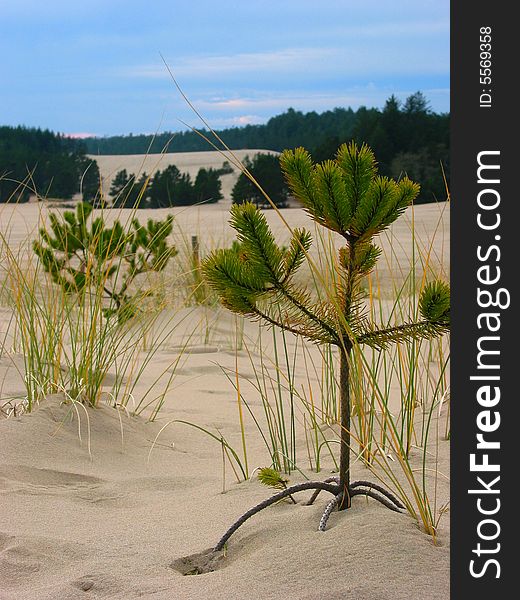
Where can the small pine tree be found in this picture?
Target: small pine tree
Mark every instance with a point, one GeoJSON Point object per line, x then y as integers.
{"type": "Point", "coordinates": [225, 169]}
{"type": "Point", "coordinates": [84, 256]}
{"type": "Point", "coordinates": [347, 196]}
{"type": "Point", "coordinates": [265, 168]}
{"type": "Point", "coordinates": [120, 183]}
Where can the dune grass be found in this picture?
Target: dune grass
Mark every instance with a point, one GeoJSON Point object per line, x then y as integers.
{"type": "Point", "coordinates": [66, 337]}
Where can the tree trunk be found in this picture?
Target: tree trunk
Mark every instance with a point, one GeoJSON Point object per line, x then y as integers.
{"type": "Point", "coordinates": [344, 459]}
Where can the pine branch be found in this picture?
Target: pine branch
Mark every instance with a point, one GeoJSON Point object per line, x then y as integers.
{"type": "Point", "coordinates": [298, 169]}
{"type": "Point", "coordinates": [261, 315]}
{"type": "Point", "coordinates": [359, 167]}
{"type": "Point", "coordinates": [327, 329]}
{"type": "Point", "coordinates": [381, 338]}
{"type": "Point", "coordinates": [300, 244]}
{"type": "Point", "coordinates": [373, 206]}
{"type": "Point", "coordinates": [315, 335]}
{"type": "Point", "coordinates": [331, 191]}
{"type": "Point", "coordinates": [257, 240]}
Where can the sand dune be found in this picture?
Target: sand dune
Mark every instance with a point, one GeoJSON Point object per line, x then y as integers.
{"type": "Point", "coordinates": [186, 162]}
{"type": "Point", "coordinates": [105, 517]}
{"type": "Point", "coordinates": [113, 524]}
{"type": "Point", "coordinates": [428, 224]}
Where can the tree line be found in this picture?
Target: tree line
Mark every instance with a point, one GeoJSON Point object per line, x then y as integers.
{"type": "Point", "coordinates": [166, 188]}
{"type": "Point", "coordinates": [408, 137]}
{"type": "Point", "coordinates": [49, 164]}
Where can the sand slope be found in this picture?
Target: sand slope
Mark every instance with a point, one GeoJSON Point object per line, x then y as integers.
{"type": "Point", "coordinates": [115, 522]}
{"type": "Point", "coordinates": [427, 224]}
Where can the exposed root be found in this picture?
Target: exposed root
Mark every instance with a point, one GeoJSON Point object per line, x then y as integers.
{"type": "Point", "coordinates": [356, 489]}
{"type": "Point", "coordinates": [331, 485]}
{"type": "Point", "coordinates": [317, 492]}
{"type": "Point", "coordinates": [308, 485]}
{"type": "Point", "coordinates": [375, 496]}
{"type": "Point", "coordinates": [381, 490]}
{"type": "Point", "coordinates": [328, 510]}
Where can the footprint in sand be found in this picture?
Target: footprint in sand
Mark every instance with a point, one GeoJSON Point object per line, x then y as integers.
{"type": "Point", "coordinates": [77, 487]}
{"type": "Point", "coordinates": [22, 477]}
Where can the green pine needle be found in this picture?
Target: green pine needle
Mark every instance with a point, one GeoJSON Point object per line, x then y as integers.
{"type": "Point", "coordinates": [272, 478]}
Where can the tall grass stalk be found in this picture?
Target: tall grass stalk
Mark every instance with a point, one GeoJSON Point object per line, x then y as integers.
{"type": "Point", "coordinates": [36, 331]}
{"type": "Point", "coordinates": [272, 425]}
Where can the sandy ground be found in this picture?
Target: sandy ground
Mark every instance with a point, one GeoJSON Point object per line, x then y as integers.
{"type": "Point", "coordinates": [109, 523]}
{"type": "Point", "coordinates": [428, 225]}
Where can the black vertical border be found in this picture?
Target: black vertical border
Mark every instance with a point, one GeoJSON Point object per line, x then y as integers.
{"type": "Point", "coordinates": [476, 129]}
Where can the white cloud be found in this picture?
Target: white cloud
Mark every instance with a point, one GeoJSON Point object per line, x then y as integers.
{"type": "Point", "coordinates": [289, 59]}
{"type": "Point", "coordinates": [355, 60]}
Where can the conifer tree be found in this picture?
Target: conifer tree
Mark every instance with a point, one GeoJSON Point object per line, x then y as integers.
{"type": "Point", "coordinates": [265, 168]}
{"type": "Point", "coordinates": [207, 186]}
{"type": "Point", "coordinates": [347, 196]}
{"type": "Point", "coordinates": [84, 256]}
{"type": "Point", "coordinates": [119, 183]}
{"type": "Point", "coordinates": [90, 183]}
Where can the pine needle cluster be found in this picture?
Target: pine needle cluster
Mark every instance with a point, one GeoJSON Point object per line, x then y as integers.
{"type": "Point", "coordinates": [347, 196]}
{"type": "Point", "coordinates": [83, 255]}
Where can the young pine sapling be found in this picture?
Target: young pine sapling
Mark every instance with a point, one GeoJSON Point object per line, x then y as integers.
{"type": "Point", "coordinates": [347, 196]}
{"type": "Point", "coordinates": [85, 256]}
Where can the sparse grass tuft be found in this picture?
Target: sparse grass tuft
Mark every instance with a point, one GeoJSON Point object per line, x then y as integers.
{"type": "Point", "coordinates": [90, 311]}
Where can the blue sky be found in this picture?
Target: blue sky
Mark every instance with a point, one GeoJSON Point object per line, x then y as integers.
{"type": "Point", "coordinates": [95, 66]}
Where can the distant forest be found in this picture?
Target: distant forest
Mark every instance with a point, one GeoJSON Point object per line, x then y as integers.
{"type": "Point", "coordinates": [36, 160]}
{"type": "Point", "coordinates": [406, 137]}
